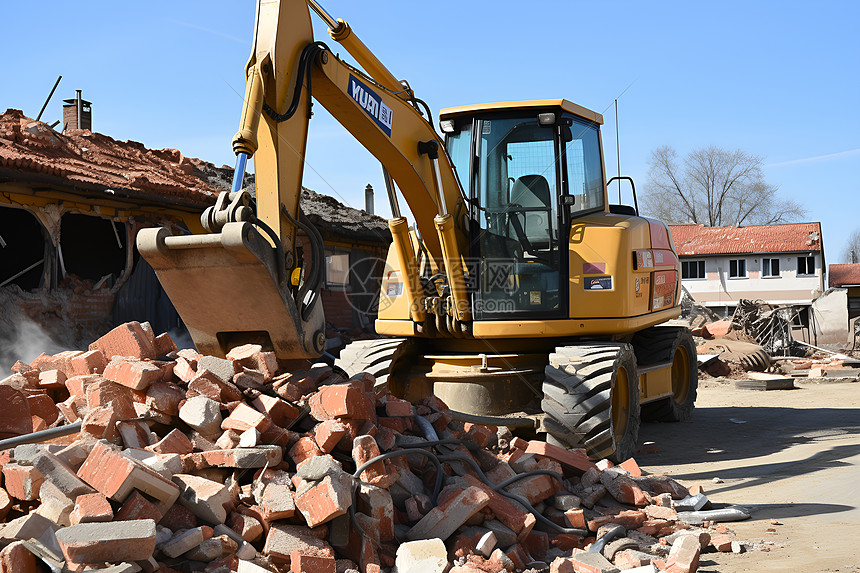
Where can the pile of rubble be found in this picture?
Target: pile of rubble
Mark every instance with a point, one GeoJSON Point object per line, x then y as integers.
{"type": "Point", "coordinates": [185, 462]}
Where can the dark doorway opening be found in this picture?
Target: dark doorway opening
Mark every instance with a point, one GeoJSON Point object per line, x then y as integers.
{"type": "Point", "coordinates": [93, 248]}
{"type": "Point", "coordinates": [22, 249]}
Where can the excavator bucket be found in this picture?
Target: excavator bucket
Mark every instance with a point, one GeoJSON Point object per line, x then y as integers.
{"type": "Point", "coordinates": [229, 290]}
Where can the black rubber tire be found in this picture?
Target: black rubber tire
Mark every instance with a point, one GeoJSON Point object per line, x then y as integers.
{"type": "Point", "coordinates": [661, 344]}
{"type": "Point", "coordinates": [374, 356]}
{"type": "Point", "coordinates": [578, 393]}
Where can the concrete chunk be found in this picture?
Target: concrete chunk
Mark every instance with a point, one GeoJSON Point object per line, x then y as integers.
{"type": "Point", "coordinates": [203, 414]}
{"type": "Point", "coordinates": [423, 556]}
{"type": "Point", "coordinates": [205, 498]}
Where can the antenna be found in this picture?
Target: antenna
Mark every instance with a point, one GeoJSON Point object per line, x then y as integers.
{"type": "Point", "coordinates": [618, 151]}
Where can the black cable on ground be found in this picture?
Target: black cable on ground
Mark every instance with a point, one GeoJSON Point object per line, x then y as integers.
{"type": "Point", "coordinates": [518, 498]}
{"type": "Point", "coordinates": [437, 487]}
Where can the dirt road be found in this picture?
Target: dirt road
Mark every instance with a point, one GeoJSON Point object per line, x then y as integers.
{"type": "Point", "coordinates": [789, 455]}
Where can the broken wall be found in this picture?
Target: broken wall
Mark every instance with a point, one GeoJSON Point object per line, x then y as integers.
{"type": "Point", "coordinates": [829, 318]}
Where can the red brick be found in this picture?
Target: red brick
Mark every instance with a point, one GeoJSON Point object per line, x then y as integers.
{"type": "Point", "coordinates": [15, 416]}
{"type": "Point", "coordinates": [116, 477]}
{"type": "Point", "coordinates": [342, 401]}
{"type": "Point", "coordinates": [251, 356]}
{"type": "Point", "coordinates": [512, 515]}
{"type": "Point", "coordinates": [311, 563]}
{"type": "Point", "coordinates": [382, 473]}
{"type": "Point", "coordinates": [178, 517]}
{"type": "Point", "coordinates": [480, 433]}
{"type": "Point", "coordinates": [400, 425]}
{"type": "Point", "coordinates": [292, 386]}
{"type": "Point", "coordinates": [397, 407]}
{"type": "Point", "coordinates": [43, 406]}
{"type": "Point", "coordinates": [100, 542]}
{"type": "Point", "coordinates": [106, 393]}
{"type": "Point", "coordinates": [91, 507]}
{"type": "Point", "coordinates": [576, 518]}
{"type": "Point", "coordinates": [630, 519]}
{"type": "Point", "coordinates": [137, 506]}
{"type": "Point", "coordinates": [133, 374]}
{"type": "Point", "coordinates": [304, 449]}
{"type": "Point", "coordinates": [564, 457]}
{"type": "Point", "coordinates": [183, 370]}
{"type": "Point", "coordinates": [127, 339]}
{"type": "Point", "coordinates": [16, 558]}
{"type": "Point", "coordinates": [249, 528]}
{"type": "Point", "coordinates": [208, 384]}
{"type": "Point", "coordinates": [325, 500]}
{"type": "Point", "coordinates": [244, 417]}
{"type": "Point", "coordinates": [77, 385]}
{"type": "Point", "coordinates": [164, 345]}
{"type": "Point", "coordinates": [22, 482]}
{"type": "Point", "coordinates": [684, 555]}
{"type": "Point", "coordinates": [722, 543]}
{"type": "Point", "coordinates": [281, 413]}
{"type": "Point", "coordinates": [175, 442]}
{"type": "Point", "coordinates": [631, 467]}
{"type": "Point", "coordinates": [164, 397]}
{"type": "Point", "coordinates": [100, 423]}
{"type": "Point", "coordinates": [52, 380]}
{"type": "Point", "coordinates": [90, 362]}
{"type": "Point", "coordinates": [328, 434]}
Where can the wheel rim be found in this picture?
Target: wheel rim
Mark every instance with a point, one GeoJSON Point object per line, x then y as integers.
{"type": "Point", "coordinates": [620, 404]}
{"type": "Point", "coordinates": [680, 375]}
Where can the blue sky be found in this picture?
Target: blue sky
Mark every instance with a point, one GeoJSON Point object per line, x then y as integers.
{"type": "Point", "coordinates": [777, 79]}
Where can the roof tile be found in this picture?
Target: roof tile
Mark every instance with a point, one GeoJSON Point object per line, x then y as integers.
{"type": "Point", "coordinates": [787, 238]}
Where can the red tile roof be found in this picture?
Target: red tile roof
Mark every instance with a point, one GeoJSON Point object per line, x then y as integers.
{"type": "Point", "coordinates": [843, 275]}
{"type": "Point", "coordinates": [81, 160]}
{"type": "Point", "coordinates": [788, 238]}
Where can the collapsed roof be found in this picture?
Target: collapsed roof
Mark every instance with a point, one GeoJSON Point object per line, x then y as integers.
{"type": "Point", "coordinates": [84, 162]}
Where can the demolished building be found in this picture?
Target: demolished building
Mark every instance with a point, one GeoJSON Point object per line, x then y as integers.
{"type": "Point", "coordinates": [71, 205]}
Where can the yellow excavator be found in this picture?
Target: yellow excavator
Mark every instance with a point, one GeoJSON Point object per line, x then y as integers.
{"type": "Point", "coordinates": [518, 294]}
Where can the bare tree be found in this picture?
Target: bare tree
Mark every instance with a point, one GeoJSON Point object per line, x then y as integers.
{"type": "Point", "coordinates": [714, 187]}
{"type": "Point", "coordinates": [851, 254]}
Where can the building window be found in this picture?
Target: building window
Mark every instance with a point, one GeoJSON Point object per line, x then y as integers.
{"type": "Point", "coordinates": [692, 269]}
{"type": "Point", "coordinates": [336, 268]}
{"type": "Point", "coordinates": [806, 265]}
{"type": "Point", "coordinates": [770, 267]}
{"type": "Point", "coordinates": [737, 268]}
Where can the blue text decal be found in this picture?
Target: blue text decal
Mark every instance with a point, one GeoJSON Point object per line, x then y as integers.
{"type": "Point", "coordinates": [371, 103]}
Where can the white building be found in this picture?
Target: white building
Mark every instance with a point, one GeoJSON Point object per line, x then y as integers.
{"type": "Point", "coordinates": [779, 264]}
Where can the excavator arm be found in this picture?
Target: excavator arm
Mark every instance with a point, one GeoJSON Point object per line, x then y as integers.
{"type": "Point", "coordinates": [242, 282]}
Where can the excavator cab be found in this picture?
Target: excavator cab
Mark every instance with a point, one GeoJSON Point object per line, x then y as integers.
{"type": "Point", "coordinates": [527, 174]}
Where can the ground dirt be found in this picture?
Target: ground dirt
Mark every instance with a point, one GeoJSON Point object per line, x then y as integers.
{"type": "Point", "coordinates": [789, 455]}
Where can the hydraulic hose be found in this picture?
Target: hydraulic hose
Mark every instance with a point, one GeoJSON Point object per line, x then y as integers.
{"type": "Point", "coordinates": [437, 486]}
{"type": "Point", "coordinates": [303, 75]}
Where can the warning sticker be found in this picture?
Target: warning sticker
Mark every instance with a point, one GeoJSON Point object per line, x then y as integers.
{"type": "Point", "coordinates": [534, 297]}
{"type": "Point", "coordinates": [598, 283]}
{"type": "Point", "coordinates": [665, 283]}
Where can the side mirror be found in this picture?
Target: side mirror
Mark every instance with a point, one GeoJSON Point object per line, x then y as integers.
{"type": "Point", "coordinates": [566, 134]}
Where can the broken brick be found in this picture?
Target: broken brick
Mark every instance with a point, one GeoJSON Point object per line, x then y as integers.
{"type": "Point", "coordinates": [127, 339]}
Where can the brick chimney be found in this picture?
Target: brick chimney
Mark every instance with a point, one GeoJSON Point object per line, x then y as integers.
{"type": "Point", "coordinates": [77, 113]}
